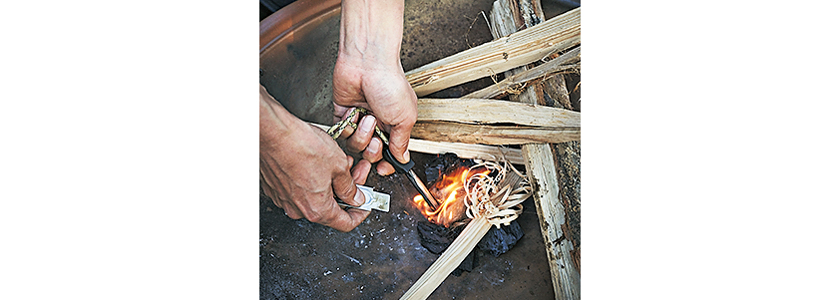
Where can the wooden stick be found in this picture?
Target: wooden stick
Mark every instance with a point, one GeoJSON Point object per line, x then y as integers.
{"type": "Point", "coordinates": [468, 151]}
{"type": "Point", "coordinates": [481, 111]}
{"type": "Point", "coordinates": [462, 150]}
{"type": "Point", "coordinates": [492, 134]}
{"type": "Point", "coordinates": [555, 88]}
{"type": "Point", "coordinates": [491, 200]}
{"type": "Point", "coordinates": [556, 35]}
{"type": "Point", "coordinates": [449, 261]}
{"type": "Point", "coordinates": [542, 172]}
{"type": "Point", "coordinates": [545, 70]}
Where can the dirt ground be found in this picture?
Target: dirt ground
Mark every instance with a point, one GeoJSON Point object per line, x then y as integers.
{"type": "Point", "coordinates": [382, 257]}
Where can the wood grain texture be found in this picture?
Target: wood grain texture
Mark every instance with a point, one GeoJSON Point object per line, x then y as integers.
{"type": "Point", "coordinates": [567, 159]}
{"type": "Point", "coordinates": [535, 43]}
{"type": "Point", "coordinates": [449, 260]}
{"type": "Point", "coordinates": [539, 162]}
{"type": "Point", "coordinates": [542, 171]}
{"type": "Point", "coordinates": [462, 150]}
{"type": "Point", "coordinates": [516, 81]}
{"type": "Point", "coordinates": [557, 93]}
{"type": "Point", "coordinates": [492, 134]}
{"type": "Point", "coordinates": [482, 111]}
{"type": "Point", "coordinates": [467, 151]}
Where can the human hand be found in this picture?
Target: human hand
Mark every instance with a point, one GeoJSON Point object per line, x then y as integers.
{"type": "Point", "coordinates": [368, 74]}
{"type": "Point", "coordinates": [303, 170]}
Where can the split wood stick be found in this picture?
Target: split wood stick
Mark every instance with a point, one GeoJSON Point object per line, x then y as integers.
{"type": "Point", "coordinates": [482, 111]}
{"type": "Point", "coordinates": [462, 150]}
{"type": "Point", "coordinates": [449, 261]}
{"type": "Point", "coordinates": [554, 66]}
{"type": "Point", "coordinates": [542, 172]}
{"type": "Point", "coordinates": [535, 43]}
{"type": "Point", "coordinates": [468, 151]}
{"type": "Point", "coordinates": [492, 134]}
{"type": "Point", "coordinates": [490, 200]}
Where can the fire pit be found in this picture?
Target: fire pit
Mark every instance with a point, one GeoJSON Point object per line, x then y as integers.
{"type": "Point", "coordinates": [383, 256]}
{"type": "Point", "coordinates": [450, 218]}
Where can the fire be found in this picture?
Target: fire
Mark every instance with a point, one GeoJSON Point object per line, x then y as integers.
{"type": "Point", "coordinates": [450, 188]}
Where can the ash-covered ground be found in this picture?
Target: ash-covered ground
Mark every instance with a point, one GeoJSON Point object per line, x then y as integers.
{"type": "Point", "coordinates": [383, 257]}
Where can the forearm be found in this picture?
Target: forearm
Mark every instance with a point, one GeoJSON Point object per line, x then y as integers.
{"type": "Point", "coordinates": [371, 31]}
{"type": "Point", "coordinates": [276, 123]}
{"type": "Point", "coordinates": [368, 72]}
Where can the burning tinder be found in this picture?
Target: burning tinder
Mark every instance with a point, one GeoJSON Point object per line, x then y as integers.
{"type": "Point", "coordinates": [450, 194]}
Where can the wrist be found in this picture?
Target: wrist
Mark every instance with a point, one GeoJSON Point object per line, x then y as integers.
{"type": "Point", "coordinates": [277, 125]}
{"type": "Point", "coordinates": [371, 32]}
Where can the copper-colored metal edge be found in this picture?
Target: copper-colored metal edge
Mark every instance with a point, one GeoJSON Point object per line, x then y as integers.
{"type": "Point", "coordinates": [292, 16]}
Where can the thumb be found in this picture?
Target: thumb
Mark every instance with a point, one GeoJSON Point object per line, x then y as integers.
{"type": "Point", "coordinates": [400, 134]}
{"type": "Point", "coordinates": [345, 189]}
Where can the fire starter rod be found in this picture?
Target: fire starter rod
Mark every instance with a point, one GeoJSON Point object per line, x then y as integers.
{"type": "Point", "coordinates": [406, 169]}
{"type": "Point", "coordinates": [336, 130]}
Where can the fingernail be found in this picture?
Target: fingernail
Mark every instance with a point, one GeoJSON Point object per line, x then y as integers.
{"type": "Point", "coordinates": [406, 157]}
{"type": "Point", "coordinates": [360, 198]}
{"type": "Point", "coordinates": [374, 144]}
{"type": "Point", "coordinates": [367, 124]}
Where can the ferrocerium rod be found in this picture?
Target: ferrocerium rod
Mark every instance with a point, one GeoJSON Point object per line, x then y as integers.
{"type": "Point", "coordinates": [406, 169]}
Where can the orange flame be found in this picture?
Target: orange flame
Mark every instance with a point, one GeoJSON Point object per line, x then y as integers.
{"type": "Point", "coordinates": [451, 188]}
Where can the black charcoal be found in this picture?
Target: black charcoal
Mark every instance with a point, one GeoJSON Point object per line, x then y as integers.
{"type": "Point", "coordinates": [501, 240]}
{"type": "Point", "coordinates": [469, 262]}
{"type": "Point", "coordinates": [442, 164]}
{"type": "Point", "coordinates": [437, 238]}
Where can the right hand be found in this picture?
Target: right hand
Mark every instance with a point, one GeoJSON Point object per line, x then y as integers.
{"type": "Point", "coordinates": [368, 74]}
{"type": "Point", "coordinates": [382, 88]}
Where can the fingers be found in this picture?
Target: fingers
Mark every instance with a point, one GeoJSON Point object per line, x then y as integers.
{"type": "Point", "coordinates": [349, 162]}
{"type": "Point", "coordinates": [333, 216]}
{"type": "Point", "coordinates": [339, 112]}
{"type": "Point", "coordinates": [373, 152]}
{"type": "Point", "coordinates": [348, 131]}
{"type": "Point", "coordinates": [291, 210]}
{"type": "Point", "coordinates": [361, 138]}
{"type": "Point", "coordinates": [360, 172]}
{"type": "Point", "coordinates": [383, 168]}
{"type": "Point", "coordinates": [345, 189]}
{"type": "Point", "coordinates": [400, 134]}
{"type": "Point", "coordinates": [347, 220]}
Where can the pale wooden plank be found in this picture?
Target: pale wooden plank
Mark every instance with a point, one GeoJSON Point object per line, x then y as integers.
{"type": "Point", "coordinates": [466, 151]}
{"type": "Point", "coordinates": [535, 43]}
{"type": "Point", "coordinates": [449, 260]}
{"type": "Point", "coordinates": [492, 134]}
{"type": "Point", "coordinates": [483, 111]}
{"type": "Point", "coordinates": [542, 172]}
{"type": "Point", "coordinates": [562, 63]}
{"type": "Point", "coordinates": [539, 163]}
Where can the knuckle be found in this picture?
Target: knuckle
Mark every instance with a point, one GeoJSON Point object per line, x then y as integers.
{"type": "Point", "coordinates": [314, 216]}
{"type": "Point", "coordinates": [354, 145]}
{"type": "Point", "coordinates": [369, 157]}
{"type": "Point", "coordinates": [347, 190]}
